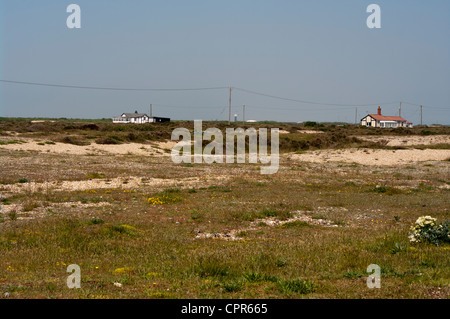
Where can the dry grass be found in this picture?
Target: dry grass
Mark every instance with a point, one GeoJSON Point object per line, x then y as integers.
{"type": "Point", "coordinates": [142, 232]}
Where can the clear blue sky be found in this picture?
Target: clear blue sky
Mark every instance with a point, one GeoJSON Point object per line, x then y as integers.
{"type": "Point", "coordinates": [318, 51]}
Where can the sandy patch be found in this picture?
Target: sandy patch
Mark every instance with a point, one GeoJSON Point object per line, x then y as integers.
{"type": "Point", "coordinates": [43, 209]}
{"type": "Point", "coordinates": [301, 132]}
{"type": "Point", "coordinates": [408, 140]}
{"type": "Point", "coordinates": [373, 156]}
{"type": "Point", "coordinates": [270, 221]}
{"type": "Point", "coordinates": [131, 182]}
{"type": "Point", "coordinates": [168, 145]}
{"type": "Point", "coordinates": [309, 132]}
{"type": "Point", "coordinates": [99, 149]}
{"type": "Point", "coordinates": [42, 121]}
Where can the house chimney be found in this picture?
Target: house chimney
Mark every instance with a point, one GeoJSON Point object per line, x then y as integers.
{"type": "Point", "coordinates": [135, 112]}
{"type": "Point", "coordinates": [379, 110]}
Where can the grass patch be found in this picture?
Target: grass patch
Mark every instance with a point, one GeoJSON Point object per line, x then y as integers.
{"type": "Point", "coordinates": [95, 175]}
{"type": "Point", "coordinates": [211, 266]}
{"type": "Point", "coordinates": [259, 277]}
{"type": "Point", "coordinates": [233, 285]}
{"type": "Point", "coordinates": [386, 190]}
{"type": "Point", "coordinates": [29, 205]}
{"type": "Point", "coordinates": [12, 215]}
{"type": "Point", "coordinates": [169, 196]}
{"type": "Point", "coordinates": [295, 286]}
{"type": "Point", "coordinates": [353, 274]}
{"type": "Point", "coordinates": [95, 221]}
{"type": "Point", "coordinates": [120, 229]}
{"type": "Point", "coordinates": [296, 223]}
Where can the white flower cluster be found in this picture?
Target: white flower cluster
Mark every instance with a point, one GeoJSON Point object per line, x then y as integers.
{"type": "Point", "coordinates": [425, 220]}
{"type": "Point", "coordinates": [422, 223]}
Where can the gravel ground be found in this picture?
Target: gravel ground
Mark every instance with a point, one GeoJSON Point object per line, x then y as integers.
{"type": "Point", "coordinates": [374, 156]}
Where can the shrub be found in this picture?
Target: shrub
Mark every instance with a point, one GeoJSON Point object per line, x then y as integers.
{"type": "Point", "coordinates": [95, 221]}
{"type": "Point", "coordinates": [427, 230]}
{"type": "Point", "coordinates": [386, 190]}
{"type": "Point", "coordinates": [112, 140]}
{"type": "Point", "coordinates": [310, 124]}
{"type": "Point", "coordinates": [90, 127]}
{"type": "Point", "coordinates": [73, 140]}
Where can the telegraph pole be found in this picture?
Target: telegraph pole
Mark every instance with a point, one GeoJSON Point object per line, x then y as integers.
{"type": "Point", "coordinates": [421, 115]}
{"type": "Point", "coordinates": [243, 113]}
{"type": "Point", "coordinates": [151, 111]}
{"type": "Point", "coordinates": [229, 109]}
{"type": "Point", "coordinates": [400, 110]}
{"type": "Point", "coordinates": [356, 114]}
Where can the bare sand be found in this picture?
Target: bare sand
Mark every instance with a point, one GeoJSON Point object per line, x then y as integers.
{"type": "Point", "coordinates": [309, 132]}
{"type": "Point", "coordinates": [408, 140]}
{"type": "Point", "coordinates": [122, 183]}
{"type": "Point", "coordinates": [120, 149]}
{"type": "Point", "coordinates": [375, 157]}
{"type": "Point", "coordinates": [301, 132]}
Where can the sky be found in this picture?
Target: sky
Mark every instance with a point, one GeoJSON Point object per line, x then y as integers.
{"type": "Point", "coordinates": [312, 51]}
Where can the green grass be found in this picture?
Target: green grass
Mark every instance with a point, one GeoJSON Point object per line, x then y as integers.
{"type": "Point", "coordinates": [95, 175]}
{"type": "Point", "coordinates": [295, 286]}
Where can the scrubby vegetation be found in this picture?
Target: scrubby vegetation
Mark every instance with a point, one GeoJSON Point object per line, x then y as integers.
{"type": "Point", "coordinates": [133, 222]}
{"type": "Point", "coordinates": [105, 132]}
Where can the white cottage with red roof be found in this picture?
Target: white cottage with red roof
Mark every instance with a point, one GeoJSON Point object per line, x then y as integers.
{"type": "Point", "coordinates": [378, 120]}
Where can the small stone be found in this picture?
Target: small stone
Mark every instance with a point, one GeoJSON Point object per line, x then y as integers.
{"type": "Point", "coordinates": [118, 284]}
{"type": "Point", "coordinates": [6, 294]}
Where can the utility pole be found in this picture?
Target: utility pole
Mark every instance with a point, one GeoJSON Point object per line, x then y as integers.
{"type": "Point", "coordinates": [243, 113]}
{"type": "Point", "coordinates": [421, 115]}
{"type": "Point", "coordinates": [229, 109]}
{"type": "Point", "coordinates": [356, 114]}
{"type": "Point", "coordinates": [400, 110]}
{"type": "Point", "coordinates": [151, 110]}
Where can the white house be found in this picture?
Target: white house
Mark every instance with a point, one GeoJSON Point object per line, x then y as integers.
{"type": "Point", "coordinates": [138, 118]}
{"type": "Point", "coordinates": [379, 120]}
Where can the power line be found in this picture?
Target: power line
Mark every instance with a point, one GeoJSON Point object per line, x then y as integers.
{"type": "Point", "coordinates": [110, 88]}
{"type": "Point", "coordinates": [429, 107]}
{"type": "Point", "coordinates": [296, 109]}
{"type": "Point", "coordinates": [188, 107]}
{"type": "Point", "coordinates": [211, 88]}
{"type": "Point", "coordinates": [309, 102]}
